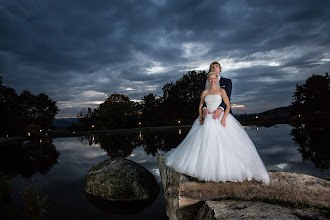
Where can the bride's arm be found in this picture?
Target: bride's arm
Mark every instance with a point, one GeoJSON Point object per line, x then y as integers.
{"type": "Point", "coordinates": [226, 101]}
{"type": "Point", "coordinates": [201, 103]}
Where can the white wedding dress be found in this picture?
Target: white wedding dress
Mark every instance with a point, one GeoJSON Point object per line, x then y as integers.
{"type": "Point", "coordinates": [211, 152]}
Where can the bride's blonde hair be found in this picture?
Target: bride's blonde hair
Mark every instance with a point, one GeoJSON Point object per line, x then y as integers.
{"type": "Point", "coordinates": [210, 73]}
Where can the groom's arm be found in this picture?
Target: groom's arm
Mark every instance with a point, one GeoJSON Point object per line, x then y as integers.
{"type": "Point", "coordinates": [228, 87]}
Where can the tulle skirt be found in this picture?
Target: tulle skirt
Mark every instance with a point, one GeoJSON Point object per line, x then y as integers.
{"type": "Point", "coordinates": [211, 152]}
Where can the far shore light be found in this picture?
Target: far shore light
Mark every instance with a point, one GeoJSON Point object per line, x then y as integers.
{"type": "Point", "coordinates": [92, 126]}
{"type": "Point", "coordinates": [179, 121]}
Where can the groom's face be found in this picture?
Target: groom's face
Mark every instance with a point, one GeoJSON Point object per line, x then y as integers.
{"type": "Point", "coordinates": [215, 68]}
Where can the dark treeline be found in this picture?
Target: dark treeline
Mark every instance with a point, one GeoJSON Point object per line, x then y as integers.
{"type": "Point", "coordinates": [25, 113]}
{"type": "Point", "coordinates": [311, 100]}
{"type": "Point", "coordinates": [178, 105]}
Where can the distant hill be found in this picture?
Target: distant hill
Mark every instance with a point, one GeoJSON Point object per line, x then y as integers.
{"type": "Point", "coordinates": [268, 118]}
{"type": "Point", "coordinates": [273, 116]}
{"type": "Point", "coordinates": [64, 123]}
{"type": "Point", "coordinates": [277, 112]}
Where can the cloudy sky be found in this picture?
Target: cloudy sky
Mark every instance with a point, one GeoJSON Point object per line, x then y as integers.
{"type": "Point", "coordinates": [79, 52]}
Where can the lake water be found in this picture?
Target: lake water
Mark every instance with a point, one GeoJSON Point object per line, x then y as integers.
{"type": "Point", "coordinates": [60, 165]}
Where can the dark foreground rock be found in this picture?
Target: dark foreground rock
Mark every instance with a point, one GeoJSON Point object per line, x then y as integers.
{"type": "Point", "coordinates": [188, 198]}
{"type": "Point", "coordinates": [121, 180]}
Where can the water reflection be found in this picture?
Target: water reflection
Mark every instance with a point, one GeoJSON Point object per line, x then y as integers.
{"type": "Point", "coordinates": [28, 158]}
{"type": "Point", "coordinates": [66, 179]}
{"type": "Point", "coordinates": [122, 145]}
{"type": "Point", "coordinates": [119, 207]}
{"type": "Point", "coordinates": [313, 141]}
{"type": "Point", "coordinates": [119, 145]}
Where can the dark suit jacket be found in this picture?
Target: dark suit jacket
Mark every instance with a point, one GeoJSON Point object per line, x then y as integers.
{"type": "Point", "coordinates": [227, 86]}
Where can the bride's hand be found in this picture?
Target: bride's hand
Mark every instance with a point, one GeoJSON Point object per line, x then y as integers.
{"type": "Point", "coordinates": [201, 120]}
{"type": "Point", "coordinates": [205, 112]}
{"type": "Point", "coordinates": [223, 122]}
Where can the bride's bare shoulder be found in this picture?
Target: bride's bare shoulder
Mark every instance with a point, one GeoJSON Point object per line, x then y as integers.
{"type": "Point", "coordinates": [222, 91]}
{"type": "Point", "coordinates": [205, 92]}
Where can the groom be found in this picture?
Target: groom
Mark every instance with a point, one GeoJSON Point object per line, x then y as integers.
{"type": "Point", "coordinates": [225, 84]}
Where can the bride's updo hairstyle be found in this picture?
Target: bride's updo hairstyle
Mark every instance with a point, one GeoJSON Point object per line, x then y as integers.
{"type": "Point", "coordinates": [210, 73]}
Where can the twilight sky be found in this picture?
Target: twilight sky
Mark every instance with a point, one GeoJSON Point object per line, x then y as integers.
{"type": "Point", "coordinates": [79, 52]}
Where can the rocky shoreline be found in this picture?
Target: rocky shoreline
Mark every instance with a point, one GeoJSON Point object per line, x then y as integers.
{"type": "Point", "coordinates": [288, 196]}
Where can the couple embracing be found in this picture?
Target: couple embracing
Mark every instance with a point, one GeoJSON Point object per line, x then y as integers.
{"type": "Point", "coordinates": [217, 148]}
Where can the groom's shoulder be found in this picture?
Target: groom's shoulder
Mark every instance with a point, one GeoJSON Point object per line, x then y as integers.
{"type": "Point", "coordinates": [225, 79]}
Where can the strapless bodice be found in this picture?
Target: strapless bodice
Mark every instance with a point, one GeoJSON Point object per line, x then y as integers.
{"type": "Point", "coordinates": [213, 102]}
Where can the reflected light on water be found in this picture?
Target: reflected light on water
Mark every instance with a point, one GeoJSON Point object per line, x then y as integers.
{"type": "Point", "coordinates": [155, 172]}
{"type": "Point", "coordinates": [282, 165]}
{"type": "Point", "coordinates": [92, 154]}
{"type": "Point", "coordinates": [179, 131]}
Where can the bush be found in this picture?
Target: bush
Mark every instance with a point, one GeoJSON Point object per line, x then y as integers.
{"type": "Point", "coordinates": [34, 202]}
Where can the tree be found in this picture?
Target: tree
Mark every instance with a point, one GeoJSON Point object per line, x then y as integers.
{"type": "Point", "coordinates": [181, 99]}
{"type": "Point", "coordinates": [86, 118]}
{"type": "Point", "coordinates": [150, 110]}
{"type": "Point", "coordinates": [10, 123]}
{"type": "Point", "coordinates": [117, 111]}
{"type": "Point", "coordinates": [37, 110]}
{"type": "Point", "coordinates": [311, 100]}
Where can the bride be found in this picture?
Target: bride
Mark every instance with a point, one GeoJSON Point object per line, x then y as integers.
{"type": "Point", "coordinates": [217, 150]}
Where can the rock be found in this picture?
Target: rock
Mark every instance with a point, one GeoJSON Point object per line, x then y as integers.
{"type": "Point", "coordinates": [213, 210]}
{"type": "Point", "coordinates": [119, 179]}
{"type": "Point", "coordinates": [186, 196]}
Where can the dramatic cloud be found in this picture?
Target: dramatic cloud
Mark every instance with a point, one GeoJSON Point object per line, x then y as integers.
{"type": "Point", "coordinates": [78, 52]}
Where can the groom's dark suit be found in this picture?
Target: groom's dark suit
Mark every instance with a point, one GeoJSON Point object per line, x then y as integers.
{"type": "Point", "coordinates": [227, 86]}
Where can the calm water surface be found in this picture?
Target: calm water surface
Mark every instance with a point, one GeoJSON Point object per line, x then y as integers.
{"type": "Point", "coordinates": [63, 173]}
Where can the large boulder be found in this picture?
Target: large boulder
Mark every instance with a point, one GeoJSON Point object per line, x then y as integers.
{"type": "Point", "coordinates": [187, 198]}
{"type": "Point", "coordinates": [119, 179]}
